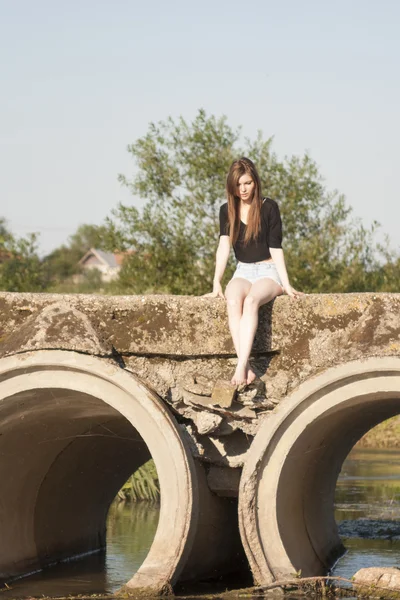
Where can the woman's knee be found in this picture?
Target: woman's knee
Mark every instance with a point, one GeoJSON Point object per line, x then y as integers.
{"type": "Point", "coordinates": [234, 303]}
{"type": "Point", "coordinates": [250, 304]}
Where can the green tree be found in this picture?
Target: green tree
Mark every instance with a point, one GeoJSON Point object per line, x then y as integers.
{"type": "Point", "coordinates": [143, 485]}
{"type": "Point", "coordinates": [181, 170]}
{"type": "Point", "coordinates": [327, 250]}
{"type": "Point", "coordinates": [174, 235]}
{"type": "Point", "coordinates": [20, 267]}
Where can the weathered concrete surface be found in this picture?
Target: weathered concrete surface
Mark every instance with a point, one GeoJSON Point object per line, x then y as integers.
{"type": "Point", "coordinates": [180, 347]}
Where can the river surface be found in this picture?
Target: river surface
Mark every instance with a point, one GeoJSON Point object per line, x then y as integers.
{"type": "Point", "coordinates": [368, 510]}
{"type": "Point", "coordinates": [368, 488]}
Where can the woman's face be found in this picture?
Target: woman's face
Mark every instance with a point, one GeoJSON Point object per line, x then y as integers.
{"type": "Point", "coordinates": [245, 188]}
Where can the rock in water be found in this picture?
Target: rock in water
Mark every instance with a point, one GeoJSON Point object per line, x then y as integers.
{"type": "Point", "coordinates": [365, 580]}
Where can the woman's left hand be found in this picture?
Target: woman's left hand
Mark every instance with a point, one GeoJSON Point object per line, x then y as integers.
{"type": "Point", "coordinates": [292, 293]}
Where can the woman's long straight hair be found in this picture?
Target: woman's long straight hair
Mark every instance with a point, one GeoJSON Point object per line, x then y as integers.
{"type": "Point", "coordinates": [243, 166]}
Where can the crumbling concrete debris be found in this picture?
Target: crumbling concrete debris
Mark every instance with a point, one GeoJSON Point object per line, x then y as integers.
{"type": "Point", "coordinates": [254, 396]}
{"type": "Point", "coordinates": [198, 384]}
{"type": "Point", "coordinates": [187, 434]}
{"type": "Point", "coordinates": [276, 386]}
{"type": "Point", "coordinates": [194, 399]}
{"type": "Point", "coordinates": [224, 481]}
{"type": "Point", "coordinates": [251, 392]}
{"type": "Point", "coordinates": [243, 412]}
{"type": "Point", "coordinates": [196, 446]}
{"type": "Point", "coordinates": [223, 393]}
{"type": "Point", "coordinates": [229, 451]}
{"type": "Point", "coordinates": [226, 397]}
{"type": "Point", "coordinates": [235, 410]}
{"type": "Point", "coordinates": [206, 423]}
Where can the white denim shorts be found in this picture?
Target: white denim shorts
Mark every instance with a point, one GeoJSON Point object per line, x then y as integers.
{"type": "Point", "coordinates": [255, 271]}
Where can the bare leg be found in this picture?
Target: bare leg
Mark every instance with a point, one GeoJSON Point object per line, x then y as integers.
{"type": "Point", "coordinates": [260, 293]}
{"type": "Point", "coordinates": [235, 293]}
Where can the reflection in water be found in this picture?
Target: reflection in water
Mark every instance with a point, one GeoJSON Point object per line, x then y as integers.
{"type": "Point", "coordinates": [130, 531]}
{"type": "Point", "coordinates": [368, 488]}
{"type": "Point", "coordinates": [84, 576]}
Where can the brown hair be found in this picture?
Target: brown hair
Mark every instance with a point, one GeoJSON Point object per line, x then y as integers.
{"type": "Point", "coordinates": [243, 166]}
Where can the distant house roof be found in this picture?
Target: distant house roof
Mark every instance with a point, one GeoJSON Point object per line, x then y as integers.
{"type": "Point", "coordinates": [108, 259]}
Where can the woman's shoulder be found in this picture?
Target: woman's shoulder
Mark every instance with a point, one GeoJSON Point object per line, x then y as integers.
{"type": "Point", "coordinates": [269, 205]}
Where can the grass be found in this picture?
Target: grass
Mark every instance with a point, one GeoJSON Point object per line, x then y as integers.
{"type": "Point", "coordinates": [142, 486]}
{"type": "Point", "coordinates": [384, 435]}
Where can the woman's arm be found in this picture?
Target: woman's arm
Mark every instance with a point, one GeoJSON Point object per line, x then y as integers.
{"type": "Point", "coordinates": [279, 260]}
{"type": "Point", "coordinates": [222, 256]}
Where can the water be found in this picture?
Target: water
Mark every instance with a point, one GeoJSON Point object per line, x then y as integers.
{"type": "Point", "coordinates": [368, 488]}
{"type": "Point", "coordinates": [130, 532]}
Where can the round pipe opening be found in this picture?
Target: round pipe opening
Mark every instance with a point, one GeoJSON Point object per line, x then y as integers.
{"type": "Point", "coordinates": [73, 428]}
{"type": "Point", "coordinates": [286, 507]}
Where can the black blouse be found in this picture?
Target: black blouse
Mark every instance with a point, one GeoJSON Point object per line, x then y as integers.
{"type": "Point", "coordinates": [270, 235]}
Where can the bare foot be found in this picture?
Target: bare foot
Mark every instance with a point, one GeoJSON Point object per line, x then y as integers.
{"type": "Point", "coordinates": [250, 374]}
{"type": "Point", "coordinates": [240, 375]}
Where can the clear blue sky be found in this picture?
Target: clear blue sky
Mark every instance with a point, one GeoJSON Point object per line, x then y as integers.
{"type": "Point", "coordinates": [80, 80]}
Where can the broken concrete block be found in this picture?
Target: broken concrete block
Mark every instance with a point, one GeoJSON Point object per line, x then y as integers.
{"type": "Point", "coordinates": [245, 412]}
{"type": "Point", "coordinates": [224, 481]}
{"type": "Point", "coordinates": [194, 399]}
{"type": "Point", "coordinates": [198, 384]}
{"type": "Point", "coordinates": [207, 422]}
{"type": "Point", "coordinates": [223, 393]}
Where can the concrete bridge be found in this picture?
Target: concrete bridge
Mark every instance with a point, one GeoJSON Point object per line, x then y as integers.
{"type": "Point", "coordinates": [91, 386]}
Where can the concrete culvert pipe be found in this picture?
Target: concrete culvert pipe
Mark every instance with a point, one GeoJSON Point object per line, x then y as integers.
{"type": "Point", "coordinates": [72, 429]}
{"type": "Point", "coordinates": [286, 497]}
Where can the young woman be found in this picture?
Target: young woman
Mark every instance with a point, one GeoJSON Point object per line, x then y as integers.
{"type": "Point", "coordinates": [252, 225]}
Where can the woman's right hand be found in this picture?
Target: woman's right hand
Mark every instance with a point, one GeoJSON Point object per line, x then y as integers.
{"type": "Point", "coordinates": [216, 293]}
